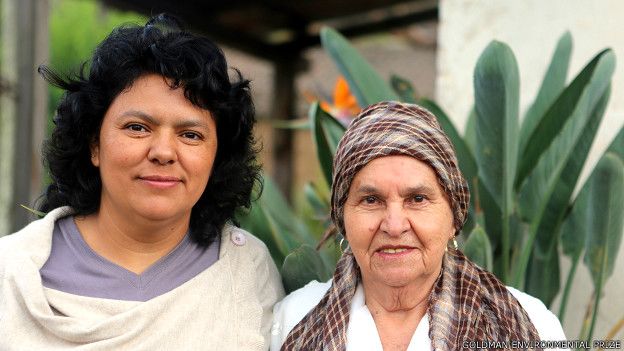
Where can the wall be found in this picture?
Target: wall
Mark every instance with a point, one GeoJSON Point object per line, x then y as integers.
{"type": "Point", "coordinates": [531, 28]}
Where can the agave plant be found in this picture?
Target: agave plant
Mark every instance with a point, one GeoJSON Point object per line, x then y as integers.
{"type": "Point", "coordinates": [521, 172]}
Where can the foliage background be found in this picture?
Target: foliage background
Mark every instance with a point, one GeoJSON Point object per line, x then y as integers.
{"type": "Point", "coordinates": [76, 26]}
{"type": "Point", "coordinates": [531, 28]}
{"type": "Point", "coordinates": [464, 29]}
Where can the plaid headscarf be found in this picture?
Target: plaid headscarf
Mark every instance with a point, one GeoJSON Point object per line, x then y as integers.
{"type": "Point", "coordinates": [392, 128]}
{"type": "Point", "coordinates": [466, 303]}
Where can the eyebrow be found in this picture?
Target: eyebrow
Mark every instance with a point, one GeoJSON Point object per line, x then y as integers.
{"type": "Point", "coordinates": [366, 189]}
{"type": "Point", "coordinates": [186, 123]}
{"type": "Point", "coordinates": [419, 189]}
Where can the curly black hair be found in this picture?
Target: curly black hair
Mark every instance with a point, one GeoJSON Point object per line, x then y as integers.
{"type": "Point", "coordinates": [189, 61]}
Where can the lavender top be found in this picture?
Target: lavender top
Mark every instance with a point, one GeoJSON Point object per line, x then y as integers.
{"type": "Point", "coordinates": [73, 267]}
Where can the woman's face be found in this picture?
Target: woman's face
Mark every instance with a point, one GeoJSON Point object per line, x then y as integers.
{"type": "Point", "coordinates": [155, 152]}
{"type": "Point", "coordinates": [397, 221]}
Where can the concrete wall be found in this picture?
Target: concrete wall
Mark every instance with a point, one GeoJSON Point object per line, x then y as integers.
{"type": "Point", "coordinates": [531, 28]}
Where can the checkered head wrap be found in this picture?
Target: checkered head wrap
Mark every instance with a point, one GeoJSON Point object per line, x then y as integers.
{"type": "Point", "coordinates": [392, 128]}
{"type": "Point", "coordinates": [466, 303]}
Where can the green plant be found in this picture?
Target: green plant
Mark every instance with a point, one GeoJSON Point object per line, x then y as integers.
{"type": "Point", "coordinates": [522, 173]}
{"type": "Point", "coordinates": [289, 239]}
{"type": "Point", "coordinates": [76, 27]}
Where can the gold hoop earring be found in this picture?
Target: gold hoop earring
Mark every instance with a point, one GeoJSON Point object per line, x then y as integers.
{"type": "Point", "coordinates": [453, 244]}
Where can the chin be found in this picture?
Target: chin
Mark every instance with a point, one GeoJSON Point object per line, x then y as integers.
{"type": "Point", "coordinates": [154, 212]}
{"type": "Point", "coordinates": [398, 278]}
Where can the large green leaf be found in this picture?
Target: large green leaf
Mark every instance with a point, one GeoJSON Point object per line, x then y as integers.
{"type": "Point", "coordinates": [364, 81]}
{"type": "Point", "coordinates": [465, 158]}
{"type": "Point", "coordinates": [617, 145]}
{"type": "Point", "coordinates": [327, 132]}
{"type": "Point", "coordinates": [606, 198]}
{"type": "Point", "coordinates": [543, 278]}
{"type": "Point", "coordinates": [272, 220]}
{"type": "Point", "coordinates": [605, 220]}
{"type": "Point", "coordinates": [547, 193]}
{"type": "Point", "coordinates": [496, 86]}
{"type": "Point", "coordinates": [403, 88]}
{"type": "Point", "coordinates": [466, 161]}
{"type": "Point", "coordinates": [552, 85]}
{"type": "Point", "coordinates": [577, 223]}
{"type": "Point", "coordinates": [478, 249]}
{"type": "Point", "coordinates": [470, 131]}
{"type": "Point", "coordinates": [595, 76]}
{"type": "Point", "coordinates": [547, 190]}
{"type": "Point", "coordinates": [492, 215]}
{"type": "Point", "coordinates": [558, 201]}
{"type": "Point", "coordinates": [318, 200]}
{"type": "Point", "coordinates": [302, 266]}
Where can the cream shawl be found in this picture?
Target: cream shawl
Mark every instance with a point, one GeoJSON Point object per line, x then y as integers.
{"type": "Point", "coordinates": [226, 307]}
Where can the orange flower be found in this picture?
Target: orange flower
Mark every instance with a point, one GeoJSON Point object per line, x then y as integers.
{"type": "Point", "coordinates": [345, 105]}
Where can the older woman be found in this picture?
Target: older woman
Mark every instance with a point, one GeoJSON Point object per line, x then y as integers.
{"type": "Point", "coordinates": [400, 199]}
{"type": "Point", "coordinates": [151, 155]}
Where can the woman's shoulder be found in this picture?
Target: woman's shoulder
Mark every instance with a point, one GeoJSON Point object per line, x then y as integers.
{"type": "Point", "coordinates": [546, 323]}
{"type": "Point", "coordinates": [299, 302]}
{"type": "Point", "coordinates": [249, 258]}
{"type": "Point", "coordinates": [239, 241]}
{"type": "Point", "coordinates": [31, 243]}
{"type": "Point", "coordinates": [291, 310]}
{"type": "Point", "coordinates": [33, 235]}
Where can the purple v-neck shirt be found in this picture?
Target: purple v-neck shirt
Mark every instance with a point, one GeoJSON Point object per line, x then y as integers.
{"type": "Point", "coordinates": [73, 267]}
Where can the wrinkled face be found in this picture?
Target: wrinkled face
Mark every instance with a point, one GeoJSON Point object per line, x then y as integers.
{"type": "Point", "coordinates": [398, 221]}
{"type": "Point", "coordinates": [155, 151]}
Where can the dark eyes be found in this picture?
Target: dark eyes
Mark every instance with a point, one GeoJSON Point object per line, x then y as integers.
{"type": "Point", "coordinates": [139, 128]}
{"type": "Point", "coordinates": [419, 198]}
{"type": "Point", "coordinates": [373, 200]}
{"type": "Point", "coordinates": [136, 128]}
{"type": "Point", "coordinates": [369, 200]}
{"type": "Point", "coordinates": [192, 135]}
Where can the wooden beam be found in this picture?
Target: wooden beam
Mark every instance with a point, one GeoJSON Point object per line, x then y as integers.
{"type": "Point", "coordinates": [207, 21]}
{"type": "Point", "coordinates": [284, 74]}
{"type": "Point", "coordinates": [24, 108]}
{"type": "Point", "coordinates": [391, 23]}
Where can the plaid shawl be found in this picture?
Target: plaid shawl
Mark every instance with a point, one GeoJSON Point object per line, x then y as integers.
{"type": "Point", "coordinates": [466, 304]}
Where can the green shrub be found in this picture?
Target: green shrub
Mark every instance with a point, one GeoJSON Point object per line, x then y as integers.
{"type": "Point", "coordinates": [522, 173]}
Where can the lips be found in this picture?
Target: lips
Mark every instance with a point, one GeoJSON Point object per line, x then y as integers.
{"type": "Point", "coordinates": [392, 249]}
{"type": "Point", "coordinates": [160, 182]}
{"type": "Point", "coordinates": [158, 178]}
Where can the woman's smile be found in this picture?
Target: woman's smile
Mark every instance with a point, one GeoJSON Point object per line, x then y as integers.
{"type": "Point", "coordinates": [397, 221]}
{"type": "Point", "coordinates": [160, 182]}
{"type": "Point", "coordinates": [390, 252]}
{"type": "Point", "coordinates": [155, 151]}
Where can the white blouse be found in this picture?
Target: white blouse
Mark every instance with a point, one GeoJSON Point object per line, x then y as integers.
{"type": "Point", "coordinates": [362, 333]}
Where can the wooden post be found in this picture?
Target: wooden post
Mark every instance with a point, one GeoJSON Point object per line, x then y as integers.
{"type": "Point", "coordinates": [284, 98]}
{"type": "Point", "coordinates": [23, 111]}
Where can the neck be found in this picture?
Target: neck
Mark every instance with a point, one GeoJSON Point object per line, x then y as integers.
{"type": "Point", "coordinates": [397, 310]}
{"type": "Point", "coordinates": [406, 298]}
{"type": "Point", "coordinates": [134, 244]}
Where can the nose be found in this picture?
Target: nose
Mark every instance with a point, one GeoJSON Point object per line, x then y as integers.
{"type": "Point", "coordinates": [395, 221]}
{"type": "Point", "coordinates": [163, 149]}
